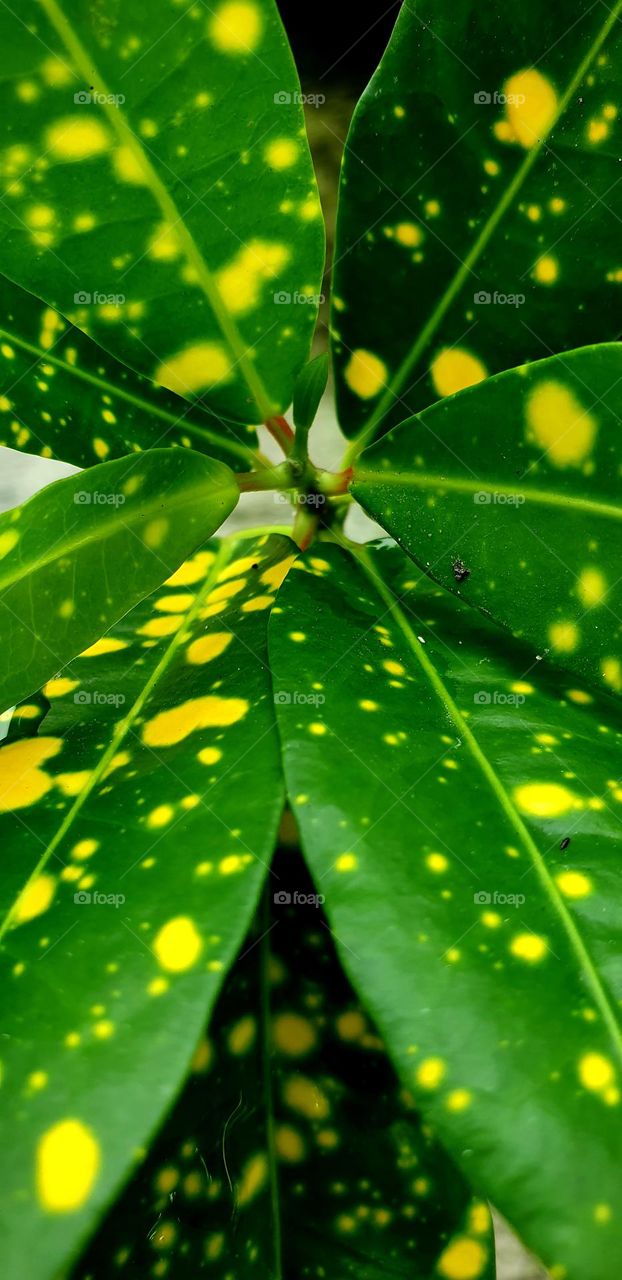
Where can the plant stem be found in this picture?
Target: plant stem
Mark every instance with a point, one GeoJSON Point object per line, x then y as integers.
{"type": "Point", "coordinates": [281, 431]}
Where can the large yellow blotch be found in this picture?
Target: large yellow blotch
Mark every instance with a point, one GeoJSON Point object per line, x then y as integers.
{"type": "Point", "coordinates": [235, 27]}
{"type": "Point", "coordinates": [67, 1163]}
{"type": "Point", "coordinates": [282, 153]}
{"type": "Point", "coordinates": [592, 587]}
{"type": "Point", "coordinates": [574, 884]}
{"type": "Point", "coordinates": [564, 636]}
{"type": "Point", "coordinates": [289, 1144]}
{"type": "Point", "coordinates": [241, 281]}
{"type": "Point", "coordinates": [557, 423]}
{"type": "Point", "coordinates": [463, 1259]}
{"type": "Point", "coordinates": [254, 1177]}
{"type": "Point", "coordinates": [128, 167]}
{"type": "Point", "coordinates": [178, 945]}
{"type": "Point", "coordinates": [106, 645]}
{"type": "Point", "coordinates": [365, 374]}
{"type": "Point", "coordinates": [22, 780]}
{"type": "Point", "coordinates": [274, 576]}
{"type": "Point", "coordinates": [157, 627]}
{"type": "Point", "coordinates": [544, 799]}
{"type": "Point", "coordinates": [197, 368]}
{"type": "Point", "coordinates": [34, 899]}
{"type": "Point", "coordinates": [528, 946]}
{"type": "Point", "coordinates": [75, 139]}
{"type": "Point", "coordinates": [596, 1072]}
{"type": "Point", "coordinates": [454, 369]}
{"type": "Point", "coordinates": [8, 540]}
{"type": "Point", "coordinates": [208, 647]}
{"type": "Point", "coordinates": [191, 571]}
{"type": "Point", "coordinates": [531, 108]}
{"type": "Point", "coordinates": [304, 1096]}
{"type": "Point", "coordinates": [209, 712]}
{"type": "Point", "coordinates": [293, 1035]}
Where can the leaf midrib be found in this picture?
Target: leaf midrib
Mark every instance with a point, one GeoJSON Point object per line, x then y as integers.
{"type": "Point", "coordinates": [122, 729]}
{"type": "Point", "coordinates": [431, 480]}
{"type": "Point", "coordinates": [367, 432]}
{"type": "Point", "coordinates": [167, 206]}
{"type": "Point", "coordinates": [587, 968]}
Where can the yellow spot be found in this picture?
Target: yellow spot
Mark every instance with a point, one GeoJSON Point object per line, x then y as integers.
{"type": "Point", "coordinates": [170, 727]}
{"type": "Point", "coordinates": [67, 1164]}
{"type": "Point", "coordinates": [602, 1213]}
{"type": "Point", "coordinates": [74, 139]}
{"type": "Point", "coordinates": [209, 755]}
{"type": "Point", "coordinates": [306, 1097]}
{"type": "Point", "coordinates": [254, 1177]}
{"type": "Point", "coordinates": [235, 27]}
{"type": "Point", "coordinates": [432, 208]}
{"type": "Point", "coordinates": [437, 862]}
{"type": "Point", "coordinates": [491, 919]}
{"type": "Point", "coordinates": [463, 1259]}
{"type": "Point", "coordinates": [240, 282]}
{"type": "Point", "coordinates": [544, 799]}
{"type": "Point", "coordinates": [242, 1035]}
{"type": "Point", "coordinates": [178, 945]}
{"type": "Point", "coordinates": [546, 270]}
{"type": "Point", "coordinates": [317, 729]}
{"type": "Point", "coordinates": [282, 153]}
{"type": "Point", "coordinates": [165, 244]}
{"type": "Point", "coordinates": [196, 368]}
{"type": "Point", "coordinates": [365, 374]}
{"type": "Point", "coordinates": [592, 587]}
{"type": "Point", "coordinates": [39, 215]}
{"type": "Point", "coordinates": [157, 987]}
{"type": "Point", "coordinates": [564, 636]}
{"type": "Point", "coordinates": [56, 73]}
{"type": "Point", "coordinates": [208, 647]}
{"type": "Point", "coordinates": [408, 233]}
{"type": "Point", "coordinates": [37, 1080]}
{"type": "Point", "coordinates": [297, 636]}
{"type": "Point", "coordinates": [454, 368]}
{"type": "Point", "coordinates": [84, 849]}
{"type": "Point", "coordinates": [105, 645]}
{"type": "Point", "coordinates": [101, 448]}
{"type": "Point", "coordinates": [612, 673]}
{"type": "Point", "coordinates": [164, 1236]}
{"type": "Point", "coordinates": [103, 1030]}
{"type": "Point", "coordinates": [128, 166]}
{"type": "Point", "coordinates": [346, 862]}
{"type": "Point", "coordinates": [289, 1144]}
{"type": "Point", "coordinates": [351, 1025]}
{"type": "Point", "coordinates": [34, 899]}
{"type": "Point", "coordinates": [229, 865]}
{"type": "Point", "coordinates": [557, 423]}
{"type": "Point", "coordinates": [22, 781]}
{"type": "Point", "coordinates": [458, 1100]}
{"type": "Point", "coordinates": [191, 571]}
{"type": "Point", "coordinates": [596, 1072]}
{"type": "Point", "coordinates": [430, 1073]}
{"type": "Point", "coordinates": [394, 668]}
{"type": "Point", "coordinates": [257, 604]}
{"type": "Point", "coordinates": [161, 626]}
{"type": "Point", "coordinates": [293, 1035]}
{"type": "Point", "coordinates": [580, 697]}
{"type": "Point", "coordinates": [574, 884]}
{"type": "Point", "coordinates": [167, 1180]}
{"type": "Point", "coordinates": [529, 947]}
{"type": "Point", "coordinates": [160, 816]}
{"type": "Point", "coordinates": [366, 704]}
{"type": "Point", "coordinates": [531, 108]}
{"type": "Point", "coordinates": [174, 604]}
{"type": "Point", "coordinates": [59, 687]}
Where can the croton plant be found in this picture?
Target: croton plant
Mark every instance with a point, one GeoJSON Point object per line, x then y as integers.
{"type": "Point", "coordinates": [311, 915]}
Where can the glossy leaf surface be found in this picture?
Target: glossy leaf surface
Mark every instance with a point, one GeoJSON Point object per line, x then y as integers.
{"type": "Point", "coordinates": [62, 397]}
{"type": "Point", "coordinates": [510, 495]}
{"type": "Point", "coordinates": [82, 551]}
{"type": "Point", "coordinates": [292, 1149]}
{"type": "Point", "coordinates": [462, 819]}
{"type": "Point", "coordinates": [136, 829]}
{"type": "Point", "coordinates": [479, 209]}
{"type": "Point", "coordinates": [160, 192]}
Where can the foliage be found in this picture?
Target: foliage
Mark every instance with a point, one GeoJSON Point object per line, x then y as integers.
{"type": "Point", "coordinates": [222, 1051]}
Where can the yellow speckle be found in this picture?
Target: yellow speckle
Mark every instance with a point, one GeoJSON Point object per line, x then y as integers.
{"type": "Point", "coordinates": [129, 167]}
{"type": "Point", "coordinates": [351, 1025]}
{"type": "Point", "coordinates": [167, 1180]}
{"type": "Point", "coordinates": [178, 945]}
{"type": "Point", "coordinates": [532, 106]}
{"type": "Point", "coordinates": [160, 816]}
{"type": "Point", "coordinates": [209, 755]}
{"type": "Point", "coordinates": [602, 1213]}
{"type": "Point", "coordinates": [74, 139]}
{"type": "Point", "coordinates": [596, 1072]}
{"type": "Point", "coordinates": [257, 604]}
{"type": "Point", "coordinates": [175, 604]}
{"type": "Point", "coordinates": [230, 865]}
{"type": "Point", "coordinates": [254, 1178]}
{"type": "Point", "coordinates": [235, 27]}
{"type": "Point", "coordinates": [208, 647]}
{"type": "Point", "coordinates": [592, 587]}
{"type": "Point", "coordinates": [346, 862]}
{"type": "Point", "coordinates": [491, 919]}
{"type": "Point", "coordinates": [611, 670]}
{"type": "Point", "coordinates": [157, 987]}
{"type": "Point", "coordinates": [34, 899]}
{"type": "Point", "coordinates": [157, 627]}
{"type": "Point", "coordinates": [293, 1035]}
{"type": "Point", "coordinates": [454, 369]}
{"type": "Point", "coordinates": [39, 215]}
{"type": "Point", "coordinates": [106, 645]}
{"type": "Point", "coordinates": [191, 571]}
{"type": "Point", "coordinates": [196, 368]}
{"type": "Point", "coordinates": [101, 448]}
{"type": "Point", "coordinates": [365, 374]}
{"type": "Point", "coordinates": [67, 1164]}
{"type": "Point", "coordinates": [580, 697]}
{"type": "Point", "coordinates": [59, 687]}
{"type": "Point", "coordinates": [164, 1236]}
{"type": "Point", "coordinates": [165, 244]}
{"type": "Point", "coordinates": [170, 727]}
{"type": "Point", "coordinates": [437, 862]}
{"type": "Point", "coordinates": [366, 704]}
{"type": "Point", "coordinates": [546, 270]}
{"type": "Point", "coordinates": [289, 1144]}
{"type": "Point", "coordinates": [557, 423]}
{"type": "Point", "coordinates": [37, 1080]}
{"type": "Point", "coordinates": [103, 1030]}
{"type": "Point", "coordinates": [564, 636]}
{"type": "Point", "coordinates": [463, 1259]}
{"type": "Point", "coordinates": [306, 1097]}
{"type": "Point", "coordinates": [529, 947]}
{"type": "Point", "coordinates": [56, 73]}
{"type": "Point", "coordinates": [282, 153]}
{"type": "Point", "coordinates": [22, 780]}
{"type": "Point", "coordinates": [430, 1073]}
{"type": "Point", "coordinates": [544, 799]}
{"type": "Point", "coordinates": [408, 233]}
{"type": "Point", "coordinates": [458, 1100]}
{"type": "Point", "coordinates": [317, 729]}
{"type": "Point", "coordinates": [297, 636]}
{"type": "Point", "coordinates": [240, 282]}
{"type": "Point", "coordinates": [242, 1036]}
{"type": "Point", "coordinates": [432, 208]}
{"type": "Point", "coordinates": [394, 668]}
{"type": "Point", "coordinates": [574, 884]}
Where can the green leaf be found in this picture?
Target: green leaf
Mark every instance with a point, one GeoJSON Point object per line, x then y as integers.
{"type": "Point", "coordinates": [160, 190]}
{"type": "Point", "coordinates": [62, 397]}
{"type": "Point", "coordinates": [80, 553]}
{"type": "Point", "coordinates": [515, 484]}
{"type": "Point", "coordinates": [309, 389]}
{"type": "Point", "coordinates": [475, 234]}
{"type": "Point", "coordinates": [460, 817]}
{"type": "Point", "coordinates": [309, 1157]}
{"type": "Point", "coordinates": [139, 785]}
